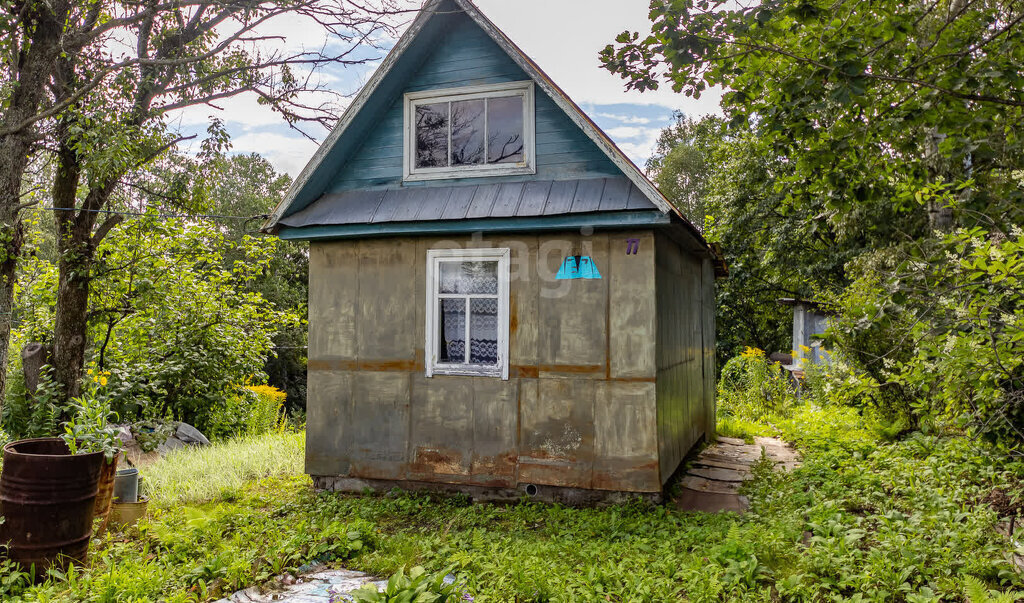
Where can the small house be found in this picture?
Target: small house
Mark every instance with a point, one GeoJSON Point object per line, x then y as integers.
{"type": "Point", "coordinates": [500, 302]}
{"type": "Point", "coordinates": [810, 321]}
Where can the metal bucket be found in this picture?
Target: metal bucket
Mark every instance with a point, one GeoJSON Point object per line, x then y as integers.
{"type": "Point", "coordinates": [126, 514]}
{"type": "Point", "coordinates": [126, 485]}
{"type": "Point", "coordinates": [46, 498]}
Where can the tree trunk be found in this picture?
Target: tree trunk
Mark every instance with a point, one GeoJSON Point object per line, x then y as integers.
{"type": "Point", "coordinates": [74, 273]}
{"type": "Point", "coordinates": [39, 29]}
{"type": "Point", "coordinates": [76, 243]}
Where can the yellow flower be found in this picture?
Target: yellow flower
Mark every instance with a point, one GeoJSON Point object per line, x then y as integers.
{"type": "Point", "coordinates": [751, 352]}
{"type": "Point", "coordinates": [103, 380]}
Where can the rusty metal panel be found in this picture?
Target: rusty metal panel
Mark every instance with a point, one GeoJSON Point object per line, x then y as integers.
{"type": "Point", "coordinates": [379, 428]}
{"type": "Point", "coordinates": [572, 319]}
{"type": "Point", "coordinates": [328, 421]}
{"type": "Point", "coordinates": [557, 435]}
{"type": "Point", "coordinates": [387, 299]}
{"type": "Point", "coordinates": [441, 428]}
{"type": "Point", "coordinates": [625, 437]}
{"type": "Point", "coordinates": [631, 306]}
{"type": "Point", "coordinates": [524, 299]}
{"type": "Point", "coordinates": [495, 451]}
{"type": "Point", "coordinates": [333, 280]}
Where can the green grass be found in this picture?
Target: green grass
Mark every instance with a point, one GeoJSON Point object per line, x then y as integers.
{"type": "Point", "coordinates": [862, 520]}
{"type": "Point", "coordinates": [733, 427]}
{"type": "Point", "coordinates": [196, 475]}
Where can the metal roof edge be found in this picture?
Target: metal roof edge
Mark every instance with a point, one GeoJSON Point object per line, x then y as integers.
{"type": "Point", "coordinates": [604, 221]}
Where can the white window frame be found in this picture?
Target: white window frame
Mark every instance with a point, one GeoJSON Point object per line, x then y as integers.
{"type": "Point", "coordinates": [434, 259]}
{"type": "Point", "coordinates": [527, 166]}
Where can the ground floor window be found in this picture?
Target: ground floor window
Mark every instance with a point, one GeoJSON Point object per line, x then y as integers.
{"type": "Point", "coordinates": [467, 312]}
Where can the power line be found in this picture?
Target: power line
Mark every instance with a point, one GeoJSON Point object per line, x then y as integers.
{"type": "Point", "coordinates": [155, 215]}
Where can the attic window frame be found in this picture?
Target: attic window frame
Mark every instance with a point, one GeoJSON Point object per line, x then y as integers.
{"type": "Point", "coordinates": [435, 257]}
{"type": "Point", "coordinates": [465, 93]}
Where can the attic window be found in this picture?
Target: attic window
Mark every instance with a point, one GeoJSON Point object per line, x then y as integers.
{"type": "Point", "coordinates": [466, 132]}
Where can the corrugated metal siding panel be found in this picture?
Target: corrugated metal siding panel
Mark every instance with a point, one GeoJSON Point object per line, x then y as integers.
{"type": "Point", "coordinates": [511, 199]}
{"type": "Point", "coordinates": [682, 350]}
{"type": "Point", "coordinates": [466, 56]}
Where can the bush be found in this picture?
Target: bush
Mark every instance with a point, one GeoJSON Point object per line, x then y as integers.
{"type": "Point", "coordinates": [250, 410]}
{"type": "Point", "coordinates": [752, 388]}
{"type": "Point", "coordinates": [935, 334]}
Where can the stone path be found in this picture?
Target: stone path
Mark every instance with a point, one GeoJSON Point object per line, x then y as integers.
{"type": "Point", "coordinates": [712, 482]}
{"type": "Point", "coordinates": [318, 586]}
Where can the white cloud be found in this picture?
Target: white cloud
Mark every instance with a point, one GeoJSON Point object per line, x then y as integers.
{"type": "Point", "coordinates": [565, 36]}
{"type": "Point", "coordinates": [287, 153]}
{"type": "Point", "coordinates": [624, 132]}
{"type": "Point", "coordinates": [626, 119]}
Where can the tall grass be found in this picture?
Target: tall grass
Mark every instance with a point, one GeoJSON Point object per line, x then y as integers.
{"type": "Point", "coordinates": [218, 472]}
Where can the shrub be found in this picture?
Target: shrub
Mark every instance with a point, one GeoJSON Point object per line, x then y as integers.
{"type": "Point", "coordinates": [753, 388]}
{"type": "Point", "coordinates": [249, 410]}
{"type": "Point", "coordinates": [936, 334]}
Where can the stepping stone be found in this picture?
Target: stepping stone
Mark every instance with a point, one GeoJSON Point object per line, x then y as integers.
{"type": "Point", "coordinates": [706, 462]}
{"type": "Point", "coordinates": [701, 484]}
{"type": "Point", "coordinates": [720, 475]}
{"type": "Point", "coordinates": [690, 500]}
{"type": "Point", "coordinates": [730, 458]}
{"type": "Point", "coordinates": [733, 441]}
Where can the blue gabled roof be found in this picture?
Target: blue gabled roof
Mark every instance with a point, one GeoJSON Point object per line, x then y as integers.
{"type": "Point", "coordinates": [336, 182]}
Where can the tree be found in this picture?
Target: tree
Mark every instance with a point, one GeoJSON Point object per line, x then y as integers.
{"type": "Point", "coordinates": [248, 185]}
{"type": "Point", "coordinates": [109, 113]}
{"type": "Point", "coordinates": [898, 102]}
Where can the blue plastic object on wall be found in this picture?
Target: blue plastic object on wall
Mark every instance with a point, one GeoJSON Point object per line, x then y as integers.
{"type": "Point", "coordinates": [578, 266]}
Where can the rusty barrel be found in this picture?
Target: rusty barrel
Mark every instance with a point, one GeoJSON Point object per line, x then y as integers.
{"type": "Point", "coordinates": [46, 498]}
{"type": "Point", "coordinates": [106, 488]}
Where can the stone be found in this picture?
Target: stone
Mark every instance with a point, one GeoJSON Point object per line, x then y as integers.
{"type": "Point", "coordinates": [170, 445]}
{"type": "Point", "coordinates": [689, 500]}
{"type": "Point", "coordinates": [732, 441]}
{"type": "Point", "coordinates": [719, 474]}
{"type": "Point", "coordinates": [700, 484]}
{"type": "Point", "coordinates": [190, 435]}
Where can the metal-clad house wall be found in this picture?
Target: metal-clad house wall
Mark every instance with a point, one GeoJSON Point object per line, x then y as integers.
{"type": "Point", "coordinates": [708, 312]}
{"type": "Point", "coordinates": [464, 55]}
{"type": "Point", "coordinates": [577, 411]}
{"type": "Point", "coordinates": [683, 412]}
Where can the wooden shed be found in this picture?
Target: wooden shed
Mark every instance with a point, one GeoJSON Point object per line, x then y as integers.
{"type": "Point", "coordinates": [500, 301]}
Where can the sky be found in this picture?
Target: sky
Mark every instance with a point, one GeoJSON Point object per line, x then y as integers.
{"type": "Point", "coordinates": [562, 36]}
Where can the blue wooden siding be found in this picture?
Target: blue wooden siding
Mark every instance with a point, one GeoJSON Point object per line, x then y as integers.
{"type": "Point", "coordinates": [464, 55]}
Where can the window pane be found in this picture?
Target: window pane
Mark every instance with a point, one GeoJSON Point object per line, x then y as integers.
{"type": "Point", "coordinates": [452, 327]}
{"type": "Point", "coordinates": [468, 132]}
{"type": "Point", "coordinates": [505, 129]}
{"type": "Point", "coordinates": [483, 331]}
{"type": "Point", "coordinates": [469, 277]}
{"type": "Point", "coordinates": [432, 135]}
